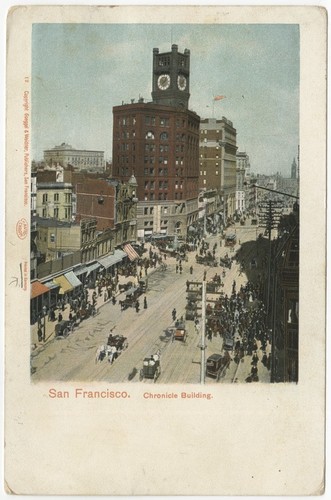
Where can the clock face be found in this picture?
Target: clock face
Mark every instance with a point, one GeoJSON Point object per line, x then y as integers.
{"type": "Point", "coordinates": [163, 82]}
{"type": "Point", "coordinates": [181, 82]}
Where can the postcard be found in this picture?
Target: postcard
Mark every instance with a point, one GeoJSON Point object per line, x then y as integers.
{"type": "Point", "coordinates": [165, 250]}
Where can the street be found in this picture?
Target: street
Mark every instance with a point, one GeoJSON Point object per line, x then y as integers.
{"type": "Point", "coordinates": [74, 358]}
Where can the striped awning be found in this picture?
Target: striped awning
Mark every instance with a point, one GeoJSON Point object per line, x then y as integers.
{"type": "Point", "coordinates": [110, 260]}
{"type": "Point", "coordinates": [37, 289]}
{"type": "Point", "coordinates": [64, 284]}
{"type": "Point", "coordinates": [73, 280]}
{"type": "Point", "coordinates": [130, 251]}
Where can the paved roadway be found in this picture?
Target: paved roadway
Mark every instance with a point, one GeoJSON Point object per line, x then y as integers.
{"type": "Point", "coordinates": [74, 358]}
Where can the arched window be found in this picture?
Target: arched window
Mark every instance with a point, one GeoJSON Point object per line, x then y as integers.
{"type": "Point", "coordinates": [150, 135]}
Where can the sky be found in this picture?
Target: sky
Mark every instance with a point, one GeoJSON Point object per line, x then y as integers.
{"type": "Point", "coordinates": [80, 71]}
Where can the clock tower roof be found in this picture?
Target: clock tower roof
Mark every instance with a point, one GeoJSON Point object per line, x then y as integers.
{"type": "Point", "coordinates": [171, 77]}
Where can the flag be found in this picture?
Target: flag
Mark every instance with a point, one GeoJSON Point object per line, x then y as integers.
{"type": "Point", "coordinates": [219, 97]}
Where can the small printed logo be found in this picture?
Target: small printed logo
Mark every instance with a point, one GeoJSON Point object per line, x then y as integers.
{"type": "Point", "coordinates": [22, 229]}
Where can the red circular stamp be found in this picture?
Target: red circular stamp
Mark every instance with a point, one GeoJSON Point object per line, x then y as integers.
{"type": "Point", "coordinates": [22, 228]}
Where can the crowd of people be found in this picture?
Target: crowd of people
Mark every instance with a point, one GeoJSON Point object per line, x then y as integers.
{"type": "Point", "coordinates": [241, 318]}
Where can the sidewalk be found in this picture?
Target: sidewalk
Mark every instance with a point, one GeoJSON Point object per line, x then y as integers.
{"type": "Point", "coordinates": [50, 325]}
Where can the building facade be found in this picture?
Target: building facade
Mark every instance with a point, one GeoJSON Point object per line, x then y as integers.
{"type": "Point", "coordinates": [218, 161]}
{"type": "Point", "coordinates": [55, 200]}
{"type": "Point", "coordinates": [158, 142]}
{"type": "Point", "coordinates": [242, 168]}
{"type": "Point", "coordinates": [81, 159]}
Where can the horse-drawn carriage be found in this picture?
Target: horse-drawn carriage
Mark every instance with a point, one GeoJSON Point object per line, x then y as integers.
{"type": "Point", "coordinates": [143, 283]}
{"type": "Point", "coordinates": [63, 328]}
{"type": "Point", "coordinates": [226, 262]}
{"type": "Point", "coordinates": [118, 341]}
{"type": "Point", "coordinates": [125, 286]}
{"type": "Point", "coordinates": [191, 309]}
{"type": "Point", "coordinates": [179, 332]}
{"type": "Point", "coordinates": [151, 367]}
{"type": "Point", "coordinates": [131, 297]}
{"type": "Point", "coordinates": [216, 363]}
{"type": "Point", "coordinates": [214, 284]}
{"type": "Point", "coordinates": [207, 260]}
{"type": "Point", "coordinates": [116, 344]}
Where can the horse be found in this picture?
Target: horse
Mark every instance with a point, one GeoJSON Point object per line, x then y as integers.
{"type": "Point", "coordinates": [100, 354]}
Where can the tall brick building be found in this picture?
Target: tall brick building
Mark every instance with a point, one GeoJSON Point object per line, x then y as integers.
{"type": "Point", "coordinates": [158, 142]}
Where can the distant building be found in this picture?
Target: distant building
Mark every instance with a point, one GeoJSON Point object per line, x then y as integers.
{"type": "Point", "coordinates": [243, 171]}
{"type": "Point", "coordinates": [294, 169]}
{"type": "Point", "coordinates": [54, 200]}
{"type": "Point", "coordinates": [57, 237]}
{"type": "Point", "coordinates": [95, 199]}
{"type": "Point", "coordinates": [218, 161]}
{"type": "Point", "coordinates": [80, 159]}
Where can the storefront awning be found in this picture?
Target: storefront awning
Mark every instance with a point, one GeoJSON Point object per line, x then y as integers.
{"type": "Point", "coordinates": [92, 267]}
{"type": "Point", "coordinates": [73, 280]}
{"type": "Point", "coordinates": [51, 285]}
{"type": "Point", "coordinates": [112, 259]}
{"type": "Point", "coordinates": [37, 289]}
{"type": "Point", "coordinates": [131, 253]}
{"type": "Point", "coordinates": [80, 270]}
{"type": "Point", "coordinates": [64, 284]}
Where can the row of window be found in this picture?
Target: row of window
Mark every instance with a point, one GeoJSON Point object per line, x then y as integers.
{"type": "Point", "coordinates": [204, 172]}
{"type": "Point", "coordinates": [56, 197]}
{"type": "Point", "coordinates": [162, 160]}
{"type": "Point", "coordinates": [151, 184]}
{"type": "Point", "coordinates": [67, 213]}
{"type": "Point", "coordinates": [162, 196]}
{"type": "Point", "coordinates": [150, 210]}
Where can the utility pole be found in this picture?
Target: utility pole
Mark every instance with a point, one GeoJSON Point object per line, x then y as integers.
{"type": "Point", "coordinates": [269, 219]}
{"type": "Point", "coordinates": [203, 334]}
{"type": "Point", "coordinates": [197, 292]}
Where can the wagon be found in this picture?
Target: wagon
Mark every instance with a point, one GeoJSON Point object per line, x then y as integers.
{"type": "Point", "coordinates": [225, 262]}
{"type": "Point", "coordinates": [179, 332]}
{"type": "Point", "coordinates": [207, 260]}
{"type": "Point", "coordinates": [124, 287]}
{"type": "Point", "coordinates": [131, 297]}
{"type": "Point", "coordinates": [115, 345]}
{"type": "Point", "coordinates": [63, 328]}
{"type": "Point", "coordinates": [216, 363]}
{"type": "Point", "coordinates": [151, 367]}
{"type": "Point", "coordinates": [118, 341]}
{"type": "Point", "coordinates": [191, 310]}
{"type": "Point", "coordinates": [143, 282]}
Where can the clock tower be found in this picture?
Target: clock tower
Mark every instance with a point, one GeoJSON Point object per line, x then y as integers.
{"type": "Point", "coordinates": [171, 78]}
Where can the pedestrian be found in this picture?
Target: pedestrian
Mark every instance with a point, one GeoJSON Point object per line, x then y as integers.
{"type": "Point", "coordinates": [40, 334]}
{"type": "Point", "coordinates": [174, 314]}
{"type": "Point", "coordinates": [176, 268]}
{"type": "Point", "coordinates": [204, 275]}
{"type": "Point", "coordinates": [145, 303]}
{"type": "Point", "coordinates": [191, 270]}
{"type": "Point", "coordinates": [60, 317]}
{"type": "Point", "coordinates": [137, 306]}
